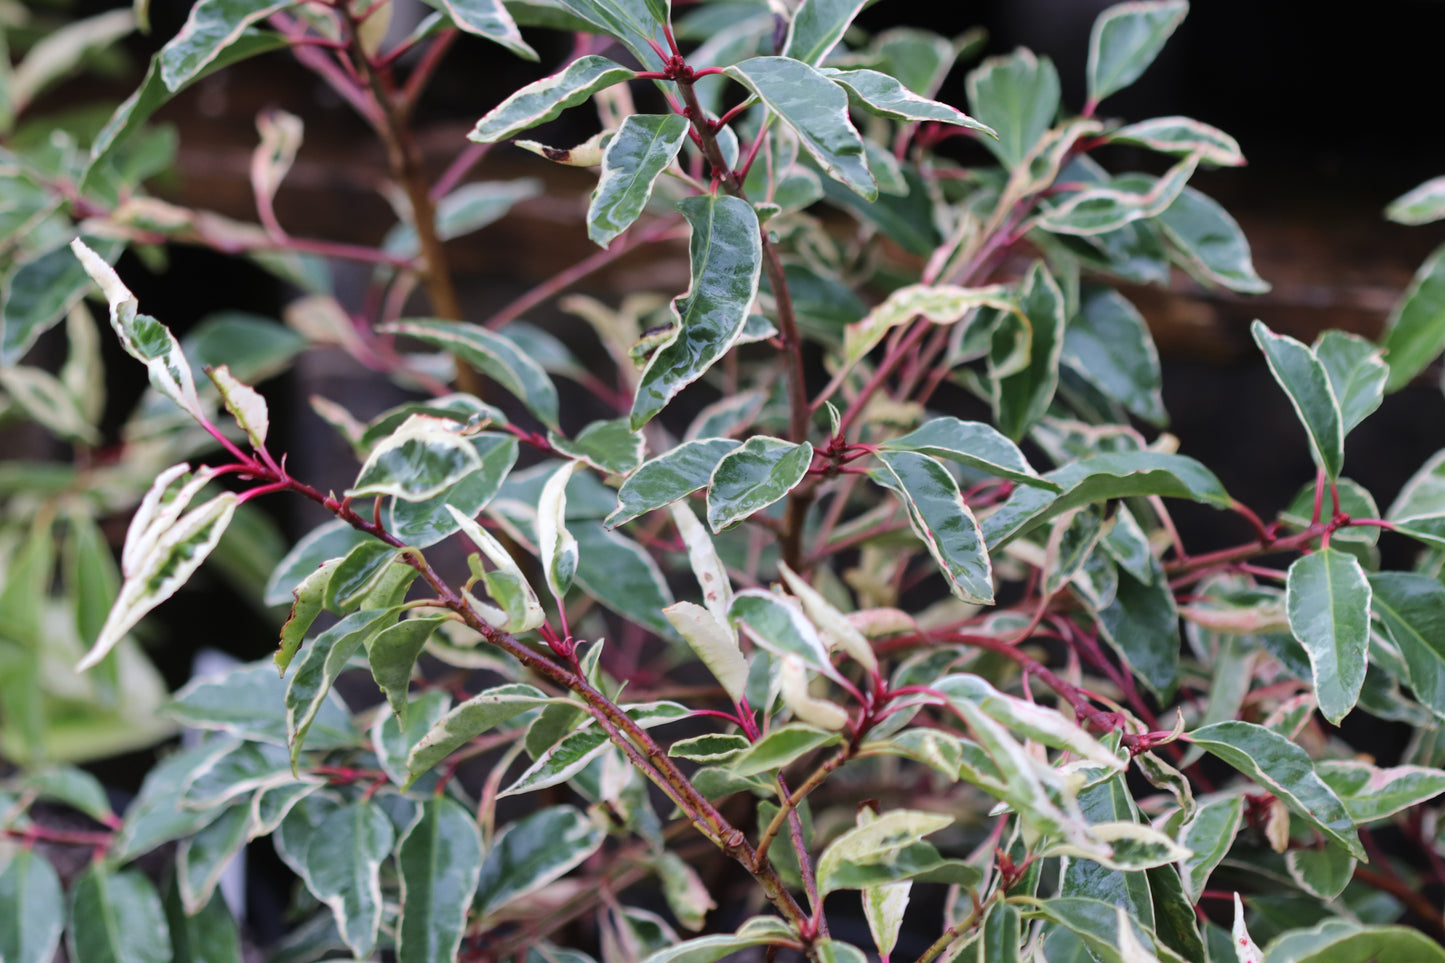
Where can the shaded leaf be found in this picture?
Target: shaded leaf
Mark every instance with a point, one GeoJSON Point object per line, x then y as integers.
{"type": "Point", "coordinates": [1422, 205]}
{"type": "Point", "coordinates": [1415, 331]}
{"type": "Point", "coordinates": [117, 918]}
{"type": "Point", "coordinates": [1182, 135]}
{"type": "Point", "coordinates": [1327, 599]}
{"type": "Point", "coordinates": [1209, 243]}
{"type": "Point", "coordinates": [1021, 397]}
{"type": "Point", "coordinates": [533, 851]}
{"type": "Point", "coordinates": [1017, 96]}
{"type": "Point", "coordinates": [749, 479]}
{"type": "Point", "coordinates": [939, 517]}
{"type": "Point", "coordinates": [672, 475]}
{"type": "Point", "coordinates": [343, 861]}
{"type": "Point", "coordinates": [439, 862]}
{"type": "Point", "coordinates": [1108, 344]}
{"type": "Point", "coordinates": [31, 902]}
{"type": "Point", "coordinates": [970, 443]}
{"type": "Point", "coordinates": [483, 711]}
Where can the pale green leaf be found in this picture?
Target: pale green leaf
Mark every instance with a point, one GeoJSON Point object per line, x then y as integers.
{"type": "Point", "coordinates": [939, 303]}
{"type": "Point", "coordinates": [641, 149]}
{"type": "Point", "coordinates": [484, 711]}
{"type": "Point", "coordinates": [426, 522]}
{"type": "Point", "coordinates": [1357, 374]}
{"type": "Point", "coordinates": [1345, 941]}
{"type": "Point", "coordinates": [392, 653]}
{"type": "Point", "coordinates": [556, 546]}
{"type": "Point", "coordinates": [883, 95]}
{"type": "Point", "coordinates": [421, 459]}
{"type": "Point", "coordinates": [1209, 244]}
{"type": "Point", "coordinates": [714, 643]}
{"type": "Point", "coordinates": [758, 931]}
{"type": "Point", "coordinates": [1209, 832]}
{"type": "Point", "coordinates": [1323, 872]}
{"type": "Point", "coordinates": [877, 841]}
{"type": "Point", "coordinates": [725, 258]}
{"type": "Point", "coordinates": [806, 707]}
{"type": "Point", "coordinates": [749, 479]}
{"type": "Point", "coordinates": [1125, 40]}
{"type": "Point", "coordinates": [31, 902]}
{"type": "Point", "coordinates": [211, 27]}
{"type": "Point", "coordinates": [1327, 599]}
{"type": "Point", "coordinates": [816, 28]}
{"type": "Point", "coordinates": [544, 99]}
{"type": "Point", "coordinates": [1371, 793]}
{"type": "Point", "coordinates": [1108, 344]}
{"type": "Point", "coordinates": [707, 566]}
{"type": "Point", "coordinates": [780, 747]}
{"type": "Point", "coordinates": [939, 517]}
{"type": "Point", "coordinates": [1021, 397]}
{"type": "Point", "coordinates": [1017, 96]}
{"type": "Point", "coordinates": [631, 21]}
{"type": "Point", "coordinates": [1117, 203]}
{"type": "Point", "coordinates": [48, 402]}
{"type": "Point", "coordinates": [202, 858]}
{"type": "Point", "coordinates": [1422, 205]}
{"type": "Point", "coordinates": [1182, 135]}
{"type": "Point", "coordinates": [244, 403]}
{"type": "Point", "coordinates": [971, 443]}
{"type": "Point", "coordinates": [1412, 608]}
{"type": "Point", "coordinates": [486, 18]}
{"type": "Point", "coordinates": [610, 446]}
{"type": "Point", "coordinates": [777, 623]}
{"type": "Point", "coordinates": [321, 661]}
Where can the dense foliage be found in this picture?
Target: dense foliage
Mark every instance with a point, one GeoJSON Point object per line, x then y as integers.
{"type": "Point", "coordinates": [861, 655]}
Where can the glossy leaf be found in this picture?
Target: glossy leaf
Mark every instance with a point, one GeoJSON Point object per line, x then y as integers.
{"type": "Point", "coordinates": [1119, 202]}
{"type": "Point", "coordinates": [544, 99]}
{"type": "Point", "coordinates": [610, 446]}
{"type": "Point", "coordinates": [633, 22]}
{"type": "Point", "coordinates": [1097, 925]}
{"type": "Point", "coordinates": [486, 18]}
{"type": "Point", "coordinates": [330, 540]}
{"type": "Point", "coordinates": [343, 861]}
{"type": "Point", "coordinates": [758, 931]}
{"type": "Point", "coordinates": [1028, 719]}
{"type": "Point", "coordinates": [30, 899]}
{"type": "Point", "coordinates": [533, 851]}
{"type": "Point", "coordinates": [495, 356]}
{"type": "Point", "coordinates": [781, 747]}
{"type": "Point", "coordinates": [1346, 941]}
{"type": "Point", "coordinates": [1422, 205]}
{"type": "Point", "coordinates": [556, 547]}
{"type": "Point", "coordinates": [426, 522]}
{"type": "Point", "coordinates": [211, 27]}
{"type": "Point", "coordinates": [878, 840]}
{"type": "Point", "coordinates": [816, 28]}
{"type": "Point", "coordinates": [939, 303]}
{"type": "Point", "coordinates": [1284, 769]}
{"type": "Point", "coordinates": [939, 517]}
{"type": "Point", "coordinates": [249, 702]}
{"type": "Point", "coordinates": [1307, 384]}
{"type": "Point", "coordinates": [816, 109]}
{"type": "Point", "coordinates": [1357, 374]}
{"type": "Point", "coordinates": [1415, 331]}
{"type": "Point", "coordinates": [1209, 244]}
{"type": "Point", "coordinates": [1017, 96]}
{"type": "Point", "coordinates": [1412, 609]}
{"type": "Point", "coordinates": [714, 643]}
{"type": "Point", "coordinates": [777, 623]}
{"type": "Point", "coordinates": [393, 652]}
{"type": "Point", "coordinates": [1108, 344]}
{"type": "Point", "coordinates": [1371, 793]}
{"type": "Point", "coordinates": [1328, 602]}
{"type": "Point", "coordinates": [670, 476]}
{"type": "Point", "coordinates": [1020, 397]}
{"type": "Point", "coordinates": [321, 661]}
{"type": "Point", "coordinates": [749, 479]}
{"type": "Point", "coordinates": [622, 575]}
{"type": "Point", "coordinates": [1419, 509]}
{"type": "Point", "coordinates": [725, 255]}
{"type": "Point", "coordinates": [117, 918]}
{"type": "Point", "coordinates": [971, 443]}
{"type": "Point", "coordinates": [883, 95]}
{"type": "Point", "coordinates": [439, 861]}
{"type": "Point", "coordinates": [641, 149]}
{"type": "Point", "coordinates": [1182, 135]}
{"type": "Point", "coordinates": [484, 711]}
{"type": "Point", "coordinates": [1322, 872]}
{"type": "Point", "coordinates": [1125, 40]}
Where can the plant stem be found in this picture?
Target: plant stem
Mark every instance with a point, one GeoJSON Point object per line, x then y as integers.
{"type": "Point", "coordinates": [790, 802]}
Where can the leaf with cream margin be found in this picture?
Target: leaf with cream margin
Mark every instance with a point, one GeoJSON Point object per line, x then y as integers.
{"type": "Point", "coordinates": [804, 705]}
{"type": "Point", "coordinates": [939, 303]}
{"type": "Point", "coordinates": [498, 555]}
{"type": "Point", "coordinates": [421, 459]}
{"type": "Point", "coordinates": [244, 403]}
{"type": "Point", "coordinates": [715, 643]}
{"type": "Point", "coordinates": [836, 629]}
{"type": "Point", "coordinates": [556, 547]}
{"type": "Point", "coordinates": [544, 99]}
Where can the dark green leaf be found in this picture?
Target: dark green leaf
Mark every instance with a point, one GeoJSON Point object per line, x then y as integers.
{"type": "Point", "coordinates": [532, 852]}
{"type": "Point", "coordinates": [1415, 331]}
{"type": "Point", "coordinates": [970, 443]}
{"type": "Point", "coordinates": [1307, 384]}
{"type": "Point", "coordinates": [1020, 397]}
{"type": "Point", "coordinates": [486, 18]}
{"type": "Point", "coordinates": [495, 356]}
{"type": "Point", "coordinates": [343, 861]}
{"type": "Point", "coordinates": [1108, 344]}
{"type": "Point", "coordinates": [641, 149]}
{"type": "Point", "coordinates": [816, 28]}
{"type": "Point", "coordinates": [208, 936]}
{"type": "Point", "coordinates": [939, 517]}
{"type": "Point", "coordinates": [32, 905]}
{"type": "Point", "coordinates": [749, 479]}
{"type": "Point", "coordinates": [39, 292]}
{"type": "Point", "coordinates": [1142, 625]}
{"type": "Point", "coordinates": [1412, 608]}
{"type": "Point", "coordinates": [545, 99]}
{"type": "Point", "coordinates": [320, 663]}
{"type": "Point", "coordinates": [883, 95]}
{"type": "Point", "coordinates": [725, 254]}
{"type": "Point", "coordinates": [117, 918]}
{"type": "Point", "coordinates": [630, 21]}
{"type": "Point", "coordinates": [622, 575]}
{"type": "Point", "coordinates": [392, 653]}
{"type": "Point", "coordinates": [1357, 374]}
{"type": "Point", "coordinates": [1328, 602]}
{"type": "Point", "coordinates": [1371, 793]}
{"type": "Point", "coordinates": [419, 461]}
{"type": "Point", "coordinates": [1126, 39]}
{"type": "Point", "coordinates": [439, 862]}
{"type": "Point", "coordinates": [1209, 244]}
{"type": "Point", "coordinates": [672, 475]}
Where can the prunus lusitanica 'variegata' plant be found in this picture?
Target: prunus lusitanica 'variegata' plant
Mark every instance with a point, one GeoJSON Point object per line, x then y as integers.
{"type": "Point", "coordinates": [979, 694]}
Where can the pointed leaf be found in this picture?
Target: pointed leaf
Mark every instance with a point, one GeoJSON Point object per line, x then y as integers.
{"type": "Point", "coordinates": [643, 147]}
{"type": "Point", "coordinates": [758, 931]}
{"type": "Point", "coordinates": [974, 444]}
{"type": "Point", "coordinates": [816, 109]}
{"type": "Point", "coordinates": [1307, 384]}
{"type": "Point", "coordinates": [117, 918]}
{"type": "Point", "coordinates": [426, 522]}
{"type": "Point", "coordinates": [208, 936]}
{"type": "Point", "coordinates": [1341, 940]}
{"type": "Point", "coordinates": [940, 518]}
{"type": "Point", "coordinates": [1209, 244]}
{"type": "Point", "coordinates": [320, 663]}
{"type": "Point", "coordinates": [1182, 135]}
{"type": "Point", "coordinates": [1209, 832]}
{"type": "Point", "coordinates": [749, 479]}
{"type": "Point", "coordinates": [876, 841]}
{"type": "Point", "coordinates": [542, 100]}
{"type": "Point", "coordinates": [725, 255]}
{"type": "Point", "coordinates": [532, 852]}
{"type": "Point", "coordinates": [883, 95]}
{"type": "Point", "coordinates": [248, 702]}
{"type": "Point", "coordinates": [1118, 203]}
{"type": "Point", "coordinates": [495, 356]}
{"type": "Point", "coordinates": [1109, 345]}
{"type": "Point", "coordinates": [609, 446]}
{"type": "Point", "coordinates": [343, 861]}
{"type": "Point", "coordinates": [556, 547]}
{"type": "Point", "coordinates": [1284, 769]}
{"type": "Point", "coordinates": [483, 711]}
{"type": "Point", "coordinates": [392, 653]}
{"type": "Point", "coordinates": [1371, 793]}
{"type": "Point", "coordinates": [776, 622]}
{"type": "Point", "coordinates": [816, 28]}
{"type": "Point", "coordinates": [1017, 96]}
{"type": "Point", "coordinates": [1020, 398]}
{"type": "Point", "coordinates": [30, 899]}
{"type": "Point", "coordinates": [439, 862]}
{"type": "Point", "coordinates": [1125, 40]}
{"type": "Point", "coordinates": [1412, 608]}
{"type": "Point", "coordinates": [1328, 602]}
{"type": "Point", "coordinates": [1422, 205]}
{"type": "Point", "coordinates": [1357, 374]}
{"type": "Point", "coordinates": [668, 477]}
{"type": "Point", "coordinates": [779, 748]}
{"type": "Point", "coordinates": [714, 643]}
{"type": "Point", "coordinates": [623, 576]}
{"type": "Point", "coordinates": [486, 18]}
{"type": "Point", "coordinates": [939, 303]}
{"type": "Point", "coordinates": [631, 21]}
{"type": "Point", "coordinates": [1415, 330]}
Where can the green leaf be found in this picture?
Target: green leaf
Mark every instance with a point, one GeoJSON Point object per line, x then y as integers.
{"type": "Point", "coordinates": [631, 21]}
{"type": "Point", "coordinates": [777, 623]}
{"type": "Point", "coordinates": [1182, 135]}
{"type": "Point", "coordinates": [1415, 331]}
{"type": "Point", "coordinates": [1307, 384]}
{"type": "Point", "coordinates": [758, 931]}
{"type": "Point", "coordinates": [495, 356]}
{"type": "Point", "coordinates": [157, 816]}
{"type": "Point", "coordinates": [1209, 244]}
{"type": "Point", "coordinates": [877, 841]}
{"type": "Point", "coordinates": [208, 936]}
{"type": "Point", "coordinates": [939, 303]}
{"type": "Point", "coordinates": [117, 918]}
{"type": "Point", "coordinates": [1357, 374]}
{"type": "Point", "coordinates": [76, 788]}
{"type": "Point", "coordinates": [1412, 608]}
{"type": "Point", "coordinates": [643, 147]}
{"type": "Point", "coordinates": [1021, 397]}
{"type": "Point", "coordinates": [343, 862]}
{"type": "Point", "coordinates": [556, 547]}
{"type": "Point", "coordinates": [1209, 832]}
{"type": "Point", "coordinates": [202, 858]}
{"type": "Point", "coordinates": [1109, 801]}
{"type": "Point", "coordinates": [1097, 924]}
{"type": "Point", "coordinates": [609, 446]}
{"type": "Point", "coordinates": [622, 575]}
{"type": "Point", "coordinates": [1028, 719]}
{"type": "Point", "coordinates": [970, 443]}
{"type": "Point", "coordinates": [1419, 509]}
{"type": "Point", "coordinates": [356, 574]}
{"type": "Point", "coordinates": [331, 540]}
{"type": "Point", "coordinates": [1108, 344]}
{"type": "Point", "coordinates": [41, 291]}
{"type": "Point", "coordinates": [211, 27]}
{"type": "Point", "coordinates": [781, 747]}
{"type": "Point", "coordinates": [420, 460]}
{"type": "Point", "coordinates": [544, 99]}
{"type": "Point", "coordinates": [725, 257]}
{"type": "Point", "coordinates": [1328, 602]}
{"type": "Point", "coordinates": [816, 28]}
{"type": "Point", "coordinates": [1422, 205]}
{"type": "Point", "coordinates": [1001, 935]}
{"type": "Point", "coordinates": [393, 652]}
{"type": "Point", "coordinates": [816, 109]}
{"type": "Point", "coordinates": [1284, 769]}
{"type": "Point", "coordinates": [714, 748]}
{"type": "Point", "coordinates": [1118, 203]}
{"type": "Point", "coordinates": [486, 18]}
{"type": "Point", "coordinates": [30, 899]}
{"type": "Point", "coordinates": [939, 517]}
{"type": "Point", "coordinates": [714, 643]}
{"type": "Point", "coordinates": [883, 95]}
{"type": "Point", "coordinates": [426, 522]}
{"type": "Point", "coordinates": [483, 711]}
{"type": "Point", "coordinates": [249, 702]}
{"type": "Point", "coordinates": [1323, 872]}
{"type": "Point", "coordinates": [749, 479]}
{"type": "Point", "coordinates": [439, 862]}
{"type": "Point", "coordinates": [1017, 96]}
{"type": "Point", "coordinates": [1125, 40]}
{"type": "Point", "coordinates": [1371, 793]}
{"type": "Point", "coordinates": [670, 476]}
{"type": "Point", "coordinates": [1345, 941]}
{"type": "Point", "coordinates": [320, 663]}
{"type": "Point", "coordinates": [47, 401]}
{"type": "Point", "coordinates": [532, 852]}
